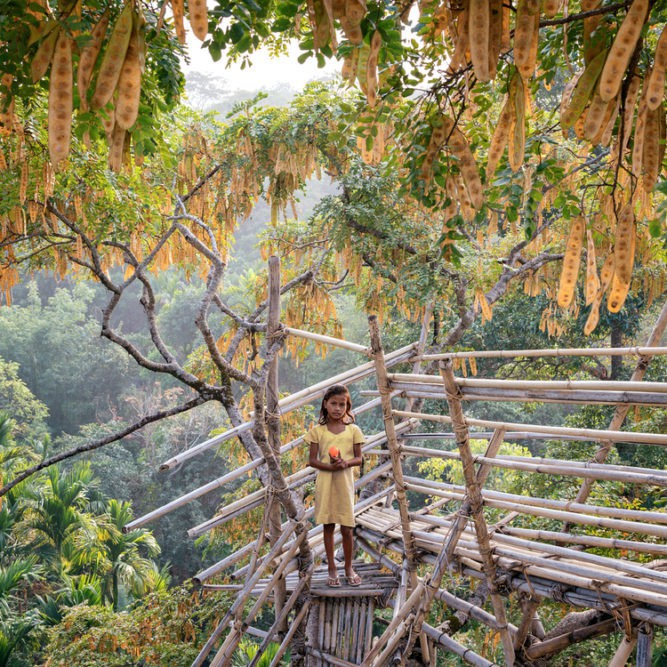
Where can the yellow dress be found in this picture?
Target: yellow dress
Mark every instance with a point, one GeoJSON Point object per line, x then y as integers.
{"type": "Point", "coordinates": [334, 490]}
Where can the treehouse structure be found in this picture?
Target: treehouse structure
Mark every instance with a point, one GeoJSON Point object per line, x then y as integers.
{"type": "Point", "coordinates": [509, 553]}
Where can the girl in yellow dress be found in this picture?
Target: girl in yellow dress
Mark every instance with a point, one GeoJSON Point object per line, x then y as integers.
{"type": "Point", "coordinates": [335, 448]}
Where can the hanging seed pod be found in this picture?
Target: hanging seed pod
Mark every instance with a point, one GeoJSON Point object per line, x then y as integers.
{"type": "Point", "coordinates": [478, 34]}
{"type": "Point", "coordinates": [60, 100]}
{"type": "Point", "coordinates": [113, 58]}
{"type": "Point", "coordinates": [517, 140]}
{"type": "Point", "coordinates": [594, 41]}
{"type": "Point", "coordinates": [467, 165]}
{"type": "Point", "coordinates": [583, 90]}
{"type": "Point", "coordinates": [178, 11]}
{"type": "Point", "coordinates": [500, 136]}
{"type": "Point", "coordinates": [571, 261]}
{"type": "Point", "coordinates": [622, 48]}
{"type": "Point", "coordinates": [628, 111]}
{"type": "Point", "coordinates": [651, 161]}
{"type": "Point", "coordinates": [349, 69]}
{"type": "Point", "coordinates": [129, 81]}
{"type": "Point", "coordinates": [461, 50]}
{"type": "Point", "coordinates": [655, 83]}
{"type": "Point", "coordinates": [597, 113]}
{"type": "Point", "coordinates": [552, 7]}
{"type": "Point", "coordinates": [624, 244]}
{"type": "Point", "coordinates": [638, 145]}
{"type": "Point", "coordinates": [116, 148]}
{"type": "Point", "coordinates": [88, 58]}
{"type": "Point", "coordinates": [592, 285]}
{"type": "Point", "coordinates": [372, 69]}
{"type": "Point", "coordinates": [525, 36]}
{"type": "Point", "coordinates": [42, 58]}
{"type": "Point", "coordinates": [593, 317]}
{"type": "Point", "coordinates": [495, 34]}
{"type": "Point", "coordinates": [604, 138]}
{"type": "Point", "coordinates": [198, 18]}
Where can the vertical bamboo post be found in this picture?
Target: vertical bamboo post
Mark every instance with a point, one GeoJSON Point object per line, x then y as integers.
{"type": "Point", "coordinates": [529, 606]}
{"type": "Point", "coordinates": [623, 652]}
{"type": "Point", "coordinates": [622, 410]}
{"type": "Point", "coordinates": [474, 494]}
{"type": "Point", "coordinates": [273, 420]}
{"type": "Point", "coordinates": [392, 442]}
{"type": "Point", "coordinates": [644, 645]}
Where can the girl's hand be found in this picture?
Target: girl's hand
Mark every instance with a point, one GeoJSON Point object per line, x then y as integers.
{"type": "Point", "coordinates": [338, 463]}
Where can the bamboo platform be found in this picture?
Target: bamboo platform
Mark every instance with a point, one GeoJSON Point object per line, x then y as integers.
{"type": "Point", "coordinates": [424, 540]}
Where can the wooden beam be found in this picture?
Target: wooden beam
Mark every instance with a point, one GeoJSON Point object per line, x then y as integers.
{"type": "Point", "coordinates": [549, 352]}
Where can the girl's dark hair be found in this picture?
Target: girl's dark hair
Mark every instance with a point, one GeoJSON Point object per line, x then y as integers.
{"type": "Point", "coordinates": [335, 390]}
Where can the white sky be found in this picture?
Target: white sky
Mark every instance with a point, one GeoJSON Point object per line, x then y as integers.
{"type": "Point", "coordinates": [265, 72]}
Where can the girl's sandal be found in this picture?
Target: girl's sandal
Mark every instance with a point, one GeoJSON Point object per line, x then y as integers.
{"type": "Point", "coordinates": [353, 580]}
{"type": "Point", "coordinates": [333, 582]}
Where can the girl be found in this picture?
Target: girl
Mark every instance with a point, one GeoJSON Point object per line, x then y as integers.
{"type": "Point", "coordinates": [335, 448]}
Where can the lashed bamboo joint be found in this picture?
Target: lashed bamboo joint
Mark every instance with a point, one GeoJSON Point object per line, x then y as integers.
{"type": "Point", "coordinates": [421, 538]}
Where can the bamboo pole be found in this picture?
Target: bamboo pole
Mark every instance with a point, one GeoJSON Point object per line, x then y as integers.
{"type": "Point", "coordinates": [625, 648]}
{"type": "Point", "coordinates": [582, 469]}
{"type": "Point", "coordinates": [392, 443]}
{"type": "Point", "coordinates": [644, 645]}
{"type": "Point", "coordinates": [474, 497]}
{"type": "Point", "coordinates": [296, 624]}
{"type": "Point", "coordinates": [622, 410]}
{"type": "Point", "coordinates": [529, 607]}
{"type": "Point", "coordinates": [583, 433]}
{"type": "Point", "coordinates": [550, 352]}
{"type": "Point", "coordinates": [564, 385]}
{"type": "Point", "coordinates": [328, 340]}
{"type": "Point", "coordinates": [568, 397]}
{"type": "Point", "coordinates": [556, 644]}
{"type": "Point", "coordinates": [596, 510]}
{"type": "Point", "coordinates": [466, 654]}
{"type": "Point", "coordinates": [571, 517]}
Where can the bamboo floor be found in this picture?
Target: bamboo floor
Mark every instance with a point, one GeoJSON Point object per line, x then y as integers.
{"type": "Point", "coordinates": [580, 577]}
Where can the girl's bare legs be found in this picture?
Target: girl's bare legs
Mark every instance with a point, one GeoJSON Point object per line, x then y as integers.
{"type": "Point", "coordinates": [348, 542]}
{"type": "Point", "coordinates": [328, 529]}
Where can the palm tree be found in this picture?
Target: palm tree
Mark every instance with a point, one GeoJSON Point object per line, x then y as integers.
{"type": "Point", "coordinates": [130, 555]}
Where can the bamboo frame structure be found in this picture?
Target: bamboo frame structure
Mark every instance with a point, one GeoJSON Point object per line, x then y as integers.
{"type": "Point", "coordinates": [539, 548]}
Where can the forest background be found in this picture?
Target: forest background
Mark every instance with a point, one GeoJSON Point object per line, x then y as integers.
{"type": "Point", "coordinates": [366, 216]}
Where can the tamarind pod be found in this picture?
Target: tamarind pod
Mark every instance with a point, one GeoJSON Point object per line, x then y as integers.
{"type": "Point", "coordinates": [595, 117]}
{"type": "Point", "coordinates": [500, 137]}
{"type": "Point", "coordinates": [619, 288]}
{"type": "Point", "coordinates": [108, 118]}
{"type": "Point", "coordinates": [525, 33]}
{"type": "Point", "coordinates": [567, 95]}
{"type": "Point", "coordinates": [114, 56]}
{"type": "Point", "coordinates": [349, 69]}
{"type": "Point", "coordinates": [178, 11]}
{"type": "Point", "coordinates": [551, 7]}
{"type": "Point", "coordinates": [579, 125]}
{"type": "Point", "coordinates": [628, 111]}
{"type": "Point", "coordinates": [42, 58]}
{"type": "Point", "coordinates": [372, 69]}
{"type": "Point", "coordinates": [352, 31]}
{"type": "Point", "coordinates": [129, 82]}
{"type": "Point", "coordinates": [517, 142]}
{"type": "Point", "coordinates": [459, 57]}
{"type": "Point", "coordinates": [651, 155]}
{"type": "Point", "coordinates": [592, 285]}
{"type": "Point", "coordinates": [663, 136]}
{"type": "Point", "coordinates": [571, 261]}
{"type": "Point", "coordinates": [590, 24]}
{"type": "Point", "coordinates": [116, 148]}
{"type": "Point", "coordinates": [583, 90]}
{"type": "Point", "coordinates": [608, 123]}
{"type": "Point", "coordinates": [478, 36]}
{"type": "Point", "coordinates": [362, 64]}
{"type": "Point", "coordinates": [593, 317]}
{"type": "Point", "coordinates": [506, 29]}
{"type": "Point", "coordinates": [495, 34]}
{"type": "Point", "coordinates": [621, 49]}
{"type": "Point", "coordinates": [198, 18]}
{"type": "Point", "coordinates": [355, 10]}
{"type": "Point", "coordinates": [638, 145]}
{"type": "Point", "coordinates": [468, 167]}
{"type": "Point", "coordinates": [624, 243]}
{"type": "Point", "coordinates": [655, 83]}
{"type": "Point", "coordinates": [60, 100]}
{"type": "Point", "coordinates": [606, 275]}
{"type": "Point", "coordinates": [88, 57]}
{"type": "Point", "coordinates": [338, 8]}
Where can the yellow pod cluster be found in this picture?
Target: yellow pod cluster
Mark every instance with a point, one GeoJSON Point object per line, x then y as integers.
{"type": "Point", "coordinates": [571, 261]}
{"type": "Point", "coordinates": [60, 100]}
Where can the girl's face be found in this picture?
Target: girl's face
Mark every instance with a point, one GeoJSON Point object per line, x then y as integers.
{"type": "Point", "coordinates": [336, 406]}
